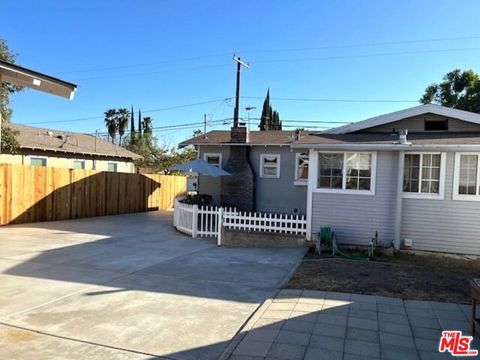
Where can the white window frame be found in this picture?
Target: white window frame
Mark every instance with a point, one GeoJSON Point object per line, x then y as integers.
{"type": "Point", "coordinates": [262, 175]}
{"type": "Point", "coordinates": [81, 160]}
{"type": "Point", "coordinates": [456, 178]}
{"type": "Point", "coordinates": [344, 190]}
{"type": "Point", "coordinates": [297, 181]}
{"type": "Point", "coordinates": [113, 162]}
{"type": "Point", "coordinates": [30, 157]}
{"type": "Point", "coordinates": [441, 185]}
{"type": "Point", "coordinates": [219, 155]}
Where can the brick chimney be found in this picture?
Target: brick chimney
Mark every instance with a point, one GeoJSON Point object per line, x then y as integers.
{"type": "Point", "coordinates": [238, 189]}
{"type": "Point", "coordinates": [239, 135]}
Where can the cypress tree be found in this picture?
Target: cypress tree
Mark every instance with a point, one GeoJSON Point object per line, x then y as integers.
{"type": "Point", "coordinates": [132, 127]}
{"type": "Point", "coordinates": [139, 123]}
{"type": "Point", "coordinates": [270, 119]}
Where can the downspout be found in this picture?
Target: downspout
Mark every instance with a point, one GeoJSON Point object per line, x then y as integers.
{"type": "Point", "coordinates": [399, 200]}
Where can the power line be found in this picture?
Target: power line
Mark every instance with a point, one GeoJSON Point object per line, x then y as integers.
{"type": "Point", "coordinates": [369, 55]}
{"type": "Point", "coordinates": [333, 100]}
{"type": "Point", "coordinates": [144, 111]}
{"type": "Point", "coordinates": [326, 47]}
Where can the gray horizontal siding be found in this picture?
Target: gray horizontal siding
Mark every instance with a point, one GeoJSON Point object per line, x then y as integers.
{"type": "Point", "coordinates": [443, 225]}
{"type": "Point", "coordinates": [355, 218]}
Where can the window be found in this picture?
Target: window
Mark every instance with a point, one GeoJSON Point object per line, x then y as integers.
{"type": "Point", "coordinates": [301, 168]}
{"type": "Point", "coordinates": [112, 167]}
{"type": "Point", "coordinates": [270, 166]}
{"type": "Point", "coordinates": [466, 181]}
{"type": "Point", "coordinates": [38, 161]}
{"type": "Point", "coordinates": [346, 172]}
{"type": "Point", "coordinates": [358, 171]}
{"type": "Point", "coordinates": [79, 164]}
{"type": "Point", "coordinates": [330, 170]}
{"type": "Point", "coordinates": [423, 175]}
{"type": "Point", "coordinates": [214, 159]}
{"type": "Point", "coordinates": [436, 125]}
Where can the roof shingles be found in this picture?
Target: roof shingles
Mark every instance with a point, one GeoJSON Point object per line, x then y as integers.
{"type": "Point", "coordinates": [68, 142]}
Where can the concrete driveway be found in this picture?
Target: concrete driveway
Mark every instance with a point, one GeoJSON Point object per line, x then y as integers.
{"type": "Point", "coordinates": [127, 287]}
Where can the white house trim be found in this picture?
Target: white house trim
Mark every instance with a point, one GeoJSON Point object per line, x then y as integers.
{"type": "Point", "coordinates": [262, 175]}
{"type": "Point", "coordinates": [406, 113]}
{"type": "Point", "coordinates": [441, 185]}
{"type": "Point", "coordinates": [297, 181]}
{"type": "Point", "coordinates": [30, 157]}
{"type": "Point", "coordinates": [373, 175]}
{"type": "Point", "coordinates": [456, 178]}
{"type": "Point", "coordinates": [219, 155]}
{"type": "Point", "coordinates": [312, 184]}
{"type": "Point", "coordinates": [399, 200]}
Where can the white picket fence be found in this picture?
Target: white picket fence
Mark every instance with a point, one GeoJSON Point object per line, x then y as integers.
{"type": "Point", "coordinates": [208, 221]}
{"type": "Point", "coordinates": [266, 222]}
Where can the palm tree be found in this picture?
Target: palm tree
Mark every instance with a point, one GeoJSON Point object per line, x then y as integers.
{"type": "Point", "coordinates": [111, 123]}
{"type": "Point", "coordinates": [147, 125]}
{"type": "Point", "coordinates": [122, 117]}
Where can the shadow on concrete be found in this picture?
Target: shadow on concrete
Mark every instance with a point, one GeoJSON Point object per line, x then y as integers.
{"type": "Point", "coordinates": [100, 194]}
{"type": "Point", "coordinates": [132, 281]}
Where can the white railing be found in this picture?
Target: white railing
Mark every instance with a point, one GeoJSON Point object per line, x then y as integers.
{"type": "Point", "coordinates": [266, 222]}
{"type": "Point", "coordinates": [208, 221]}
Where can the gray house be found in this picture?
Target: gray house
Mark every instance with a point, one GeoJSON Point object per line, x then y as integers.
{"type": "Point", "coordinates": [412, 175]}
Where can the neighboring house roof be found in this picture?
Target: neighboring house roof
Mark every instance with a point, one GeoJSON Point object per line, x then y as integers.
{"type": "Point", "coordinates": [33, 79]}
{"type": "Point", "coordinates": [406, 113]}
{"type": "Point", "coordinates": [34, 138]}
{"type": "Point", "coordinates": [420, 139]}
{"type": "Point", "coordinates": [222, 137]}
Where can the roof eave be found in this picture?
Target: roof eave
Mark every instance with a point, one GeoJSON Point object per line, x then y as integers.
{"type": "Point", "coordinates": [404, 114]}
{"type": "Point", "coordinates": [389, 147]}
{"type": "Point", "coordinates": [133, 157]}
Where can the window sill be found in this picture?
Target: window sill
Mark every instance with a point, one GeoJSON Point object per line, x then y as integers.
{"type": "Point", "coordinates": [422, 196]}
{"type": "Point", "coordinates": [269, 177]}
{"type": "Point", "coordinates": [458, 197]}
{"type": "Point", "coordinates": [345, 191]}
{"type": "Point", "coordinates": [300, 183]}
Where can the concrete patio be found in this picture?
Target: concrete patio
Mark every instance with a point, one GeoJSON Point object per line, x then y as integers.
{"type": "Point", "coordinates": [316, 325]}
{"type": "Point", "coordinates": [127, 287]}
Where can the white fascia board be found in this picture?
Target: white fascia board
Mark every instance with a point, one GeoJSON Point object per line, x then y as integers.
{"type": "Point", "coordinates": [403, 114]}
{"type": "Point", "coordinates": [397, 147]}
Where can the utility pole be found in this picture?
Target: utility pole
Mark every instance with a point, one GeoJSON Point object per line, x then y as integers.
{"type": "Point", "coordinates": [204, 126]}
{"type": "Point", "coordinates": [240, 63]}
{"type": "Point", "coordinates": [249, 108]}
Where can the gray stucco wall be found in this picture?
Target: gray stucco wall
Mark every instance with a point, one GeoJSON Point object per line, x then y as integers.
{"type": "Point", "coordinates": [271, 194]}
{"type": "Point", "coordinates": [416, 124]}
{"type": "Point", "coordinates": [355, 218]}
{"type": "Point", "coordinates": [443, 225]}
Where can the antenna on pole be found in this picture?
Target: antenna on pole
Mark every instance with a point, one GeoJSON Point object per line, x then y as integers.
{"type": "Point", "coordinates": [240, 63]}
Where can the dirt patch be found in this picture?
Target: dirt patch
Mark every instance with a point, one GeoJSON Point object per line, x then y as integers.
{"type": "Point", "coordinates": [406, 276]}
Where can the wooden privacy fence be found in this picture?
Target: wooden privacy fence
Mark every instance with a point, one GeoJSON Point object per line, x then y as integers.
{"type": "Point", "coordinates": [31, 193]}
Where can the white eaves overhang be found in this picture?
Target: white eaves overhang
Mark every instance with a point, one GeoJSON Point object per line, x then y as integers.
{"type": "Point", "coordinates": [389, 147]}
{"type": "Point", "coordinates": [21, 76]}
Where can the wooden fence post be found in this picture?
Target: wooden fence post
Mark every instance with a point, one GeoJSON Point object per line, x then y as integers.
{"type": "Point", "coordinates": [195, 221]}
{"type": "Point", "coordinates": [220, 226]}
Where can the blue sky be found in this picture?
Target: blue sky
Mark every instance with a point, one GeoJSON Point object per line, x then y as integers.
{"type": "Point", "coordinates": [156, 54]}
